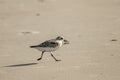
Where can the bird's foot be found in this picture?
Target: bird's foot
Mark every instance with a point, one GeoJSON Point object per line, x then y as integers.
{"type": "Point", "coordinates": [39, 59]}
{"type": "Point", "coordinates": [57, 60]}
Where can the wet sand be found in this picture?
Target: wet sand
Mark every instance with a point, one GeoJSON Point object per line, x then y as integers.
{"type": "Point", "coordinates": [91, 26]}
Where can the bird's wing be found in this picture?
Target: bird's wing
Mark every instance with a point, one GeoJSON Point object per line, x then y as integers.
{"type": "Point", "coordinates": [49, 43]}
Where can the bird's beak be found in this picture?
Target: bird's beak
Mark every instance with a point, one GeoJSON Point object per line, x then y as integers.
{"type": "Point", "coordinates": [66, 42]}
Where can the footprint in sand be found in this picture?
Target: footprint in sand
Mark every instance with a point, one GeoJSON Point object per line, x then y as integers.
{"type": "Point", "coordinates": [28, 32]}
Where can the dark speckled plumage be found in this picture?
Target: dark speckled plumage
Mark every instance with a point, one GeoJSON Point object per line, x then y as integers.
{"type": "Point", "coordinates": [48, 43]}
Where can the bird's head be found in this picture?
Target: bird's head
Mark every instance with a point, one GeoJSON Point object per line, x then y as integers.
{"type": "Point", "coordinates": [60, 38]}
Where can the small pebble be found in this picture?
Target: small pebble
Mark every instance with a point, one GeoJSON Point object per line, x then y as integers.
{"type": "Point", "coordinates": [41, 0]}
{"type": "Point", "coordinates": [38, 14]}
{"type": "Point", "coordinates": [112, 55]}
{"type": "Point", "coordinates": [114, 40]}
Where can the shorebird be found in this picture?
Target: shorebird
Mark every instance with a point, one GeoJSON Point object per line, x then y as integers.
{"type": "Point", "coordinates": [50, 46]}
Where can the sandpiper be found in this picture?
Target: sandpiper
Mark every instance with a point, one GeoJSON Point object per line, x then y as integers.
{"type": "Point", "coordinates": [50, 46]}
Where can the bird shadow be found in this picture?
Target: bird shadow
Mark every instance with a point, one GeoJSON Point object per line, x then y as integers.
{"type": "Point", "coordinates": [21, 65]}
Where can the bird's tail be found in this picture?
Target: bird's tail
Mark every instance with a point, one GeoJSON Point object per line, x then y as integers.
{"type": "Point", "coordinates": [33, 46]}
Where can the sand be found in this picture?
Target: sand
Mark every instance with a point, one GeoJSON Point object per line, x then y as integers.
{"type": "Point", "coordinates": [91, 26]}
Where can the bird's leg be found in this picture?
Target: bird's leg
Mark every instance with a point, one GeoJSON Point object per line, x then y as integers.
{"type": "Point", "coordinates": [41, 56]}
{"type": "Point", "coordinates": [54, 57]}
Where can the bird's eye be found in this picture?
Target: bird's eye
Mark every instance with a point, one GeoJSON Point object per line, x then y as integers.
{"type": "Point", "coordinates": [59, 38]}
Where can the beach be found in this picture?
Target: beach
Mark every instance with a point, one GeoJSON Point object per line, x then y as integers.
{"type": "Point", "coordinates": [91, 26]}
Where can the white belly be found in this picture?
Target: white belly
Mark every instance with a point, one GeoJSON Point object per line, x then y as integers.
{"type": "Point", "coordinates": [47, 49]}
